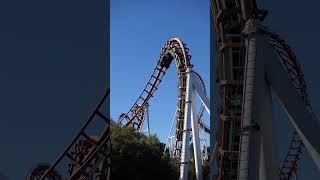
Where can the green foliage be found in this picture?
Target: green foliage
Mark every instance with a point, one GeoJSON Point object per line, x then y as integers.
{"type": "Point", "coordinates": [136, 156]}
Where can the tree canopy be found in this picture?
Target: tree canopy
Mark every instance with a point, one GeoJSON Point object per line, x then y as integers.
{"type": "Point", "coordinates": [136, 156]}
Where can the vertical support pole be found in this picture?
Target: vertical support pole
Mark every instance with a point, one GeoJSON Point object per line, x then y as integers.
{"type": "Point", "coordinates": [195, 135]}
{"type": "Point", "coordinates": [247, 103]}
{"type": "Point", "coordinates": [148, 122]}
{"type": "Point", "coordinates": [257, 147]}
{"type": "Point", "coordinates": [252, 109]}
{"type": "Point", "coordinates": [186, 130]}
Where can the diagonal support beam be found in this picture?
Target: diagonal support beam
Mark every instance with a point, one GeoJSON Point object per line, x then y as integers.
{"type": "Point", "coordinates": [195, 137]}
{"type": "Point", "coordinates": [204, 99]}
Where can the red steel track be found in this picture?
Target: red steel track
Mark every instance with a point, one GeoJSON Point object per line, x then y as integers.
{"type": "Point", "coordinates": [174, 49]}
{"type": "Point", "coordinates": [291, 64]}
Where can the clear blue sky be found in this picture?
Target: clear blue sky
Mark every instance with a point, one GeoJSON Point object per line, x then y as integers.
{"type": "Point", "coordinates": [138, 31]}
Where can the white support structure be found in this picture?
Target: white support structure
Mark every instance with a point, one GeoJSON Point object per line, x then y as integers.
{"type": "Point", "coordinates": [249, 141]}
{"type": "Point", "coordinates": [185, 154]}
{"type": "Point", "coordinates": [195, 137]}
{"type": "Point", "coordinates": [258, 160]}
{"type": "Point", "coordinates": [192, 88]}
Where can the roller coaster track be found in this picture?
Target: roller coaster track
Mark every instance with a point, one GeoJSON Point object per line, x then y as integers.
{"type": "Point", "coordinates": [86, 157]}
{"type": "Point", "coordinates": [291, 64]}
{"type": "Point", "coordinates": [173, 49]}
{"type": "Point", "coordinates": [201, 111]}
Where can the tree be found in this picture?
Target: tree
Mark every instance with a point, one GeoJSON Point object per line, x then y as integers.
{"type": "Point", "coordinates": [136, 156]}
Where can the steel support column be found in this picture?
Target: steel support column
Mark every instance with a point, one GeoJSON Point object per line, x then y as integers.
{"type": "Point", "coordinates": [250, 139]}
{"type": "Point", "coordinates": [185, 154]}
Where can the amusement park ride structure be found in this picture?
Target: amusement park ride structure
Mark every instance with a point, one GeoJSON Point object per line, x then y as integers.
{"type": "Point", "coordinates": [188, 120]}
{"type": "Point", "coordinates": [86, 156]}
{"type": "Point", "coordinates": [252, 60]}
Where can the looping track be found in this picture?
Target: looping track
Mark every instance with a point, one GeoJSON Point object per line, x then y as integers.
{"type": "Point", "coordinates": [174, 49]}
{"type": "Point", "coordinates": [290, 63]}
